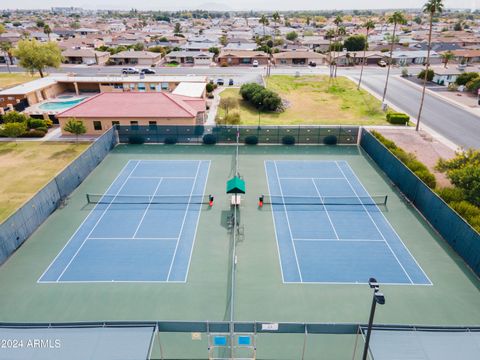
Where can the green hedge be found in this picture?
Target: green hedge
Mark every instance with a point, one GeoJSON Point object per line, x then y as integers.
{"type": "Point", "coordinates": [409, 160]}
{"type": "Point", "coordinates": [251, 140]}
{"type": "Point", "coordinates": [398, 118]}
{"type": "Point", "coordinates": [288, 140]}
{"type": "Point", "coordinates": [330, 140]}
{"type": "Point", "coordinates": [209, 139]}
{"type": "Point", "coordinates": [170, 140]}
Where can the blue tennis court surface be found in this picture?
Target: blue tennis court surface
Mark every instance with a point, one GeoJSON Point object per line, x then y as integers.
{"type": "Point", "coordinates": [334, 243]}
{"type": "Point", "coordinates": [123, 241]}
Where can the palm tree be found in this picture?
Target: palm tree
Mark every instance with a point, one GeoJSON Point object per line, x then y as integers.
{"type": "Point", "coordinates": [264, 21]}
{"type": "Point", "coordinates": [276, 18]}
{"type": "Point", "coordinates": [338, 20]}
{"type": "Point", "coordinates": [369, 25]}
{"type": "Point", "coordinates": [47, 30]}
{"type": "Point", "coordinates": [431, 7]}
{"type": "Point", "coordinates": [341, 32]}
{"type": "Point", "coordinates": [446, 57]}
{"type": "Point", "coordinates": [396, 18]}
{"type": "Point", "coordinates": [7, 48]}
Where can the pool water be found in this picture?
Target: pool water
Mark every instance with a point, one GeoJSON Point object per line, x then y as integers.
{"type": "Point", "coordinates": [60, 105]}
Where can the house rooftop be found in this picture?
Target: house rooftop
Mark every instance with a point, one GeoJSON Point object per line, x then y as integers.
{"type": "Point", "coordinates": [132, 105]}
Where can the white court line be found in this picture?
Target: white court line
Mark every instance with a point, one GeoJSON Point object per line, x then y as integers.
{"type": "Point", "coordinates": [128, 238]}
{"type": "Point", "coordinates": [81, 225]}
{"type": "Point", "coordinates": [98, 221]}
{"type": "Point", "coordinates": [274, 225]}
{"type": "Point", "coordinates": [196, 226]}
{"type": "Point", "coordinates": [148, 207]}
{"type": "Point", "coordinates": [183, 222]}
{"type": "Point", "coordinates": [309, 178]}
{"type": "Point", "coordinates": [374, 223]}
{"type": "Point", "coordinates": [341, 240]}
{"type": "Point", "coordinates": [391, 227]}
{"type": "Point", "coordinates": [161, 177]}
{"type": "Point", "coordinates": [288, 221]}
{"type": "Point", "coordinates": [326, 211]}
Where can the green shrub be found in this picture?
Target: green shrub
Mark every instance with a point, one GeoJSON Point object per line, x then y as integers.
{"type": "Point", "coordinates": [330, 140]}
{"type": "Point", "coordinates": [251, 140]}
{"type": "Point", "coordinates": [430, 75]}
{"type": "Point", "coordinates": [288, 140]}
{"type": "Point", "coordinates": [210, 88]}
{"type": "Point", "coordinates": [451, 194]}
{"type": "Point", "coordinates": [209, 139]}
{"type": "Point", "coordinates": [36, 123]}
{"type": "Point", "coordinates": [427, 177]}
{"type": "Point", "coordinates": [465, 78]}
{"type": "Point", "coordinates": [136, 139]}
{"type": "Point", "coordinates": [34, 133]}
{"type": "Point", "coordinates": [398, 118]}
{"type": "Point", "coordinates": [43, 128]}
{"type": "Point", "coordinates": [465, 209]}
{"type": "Point", "coordinates": [473, 85]}
{"type": "Point", "coordinates": [170, 140]}
{"type": "Point", "coordinates": [260, 97]}
{"type": "Point", "coordinates": [15, 117]}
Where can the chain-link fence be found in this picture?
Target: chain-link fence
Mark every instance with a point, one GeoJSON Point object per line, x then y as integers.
{"type": "Point", "coordinates": [452, 227]}
{"type": "Point", "coordinates": [287, 135]}
{"type": "Point", "coordinates": [21, 224]}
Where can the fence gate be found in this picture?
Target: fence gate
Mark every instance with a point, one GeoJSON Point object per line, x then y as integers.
{"type": "Point", "coordinates": [239, 346]}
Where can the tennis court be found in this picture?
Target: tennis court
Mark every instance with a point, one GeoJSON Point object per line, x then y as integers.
{"type": "Point", "coordinates": [142, 229]}
{"type": "Point", "coordinates": [329, 229]}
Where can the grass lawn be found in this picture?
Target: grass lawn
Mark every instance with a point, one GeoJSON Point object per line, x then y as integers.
{"type": "Point", "coordinates": [12, 79]}
{"type": "Point", "coordinates": [27, 167]}
{"type": "Point", "coordinates": [313, 100]}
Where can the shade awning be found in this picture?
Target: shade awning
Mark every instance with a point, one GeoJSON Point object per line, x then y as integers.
{"type": "Point", "coordinates": [235, 186]}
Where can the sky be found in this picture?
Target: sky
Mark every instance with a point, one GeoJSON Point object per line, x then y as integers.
{"type": "Point", "coordinates": [231, 4]}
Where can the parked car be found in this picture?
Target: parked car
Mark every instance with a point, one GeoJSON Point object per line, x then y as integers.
{"type": "Point", "coordinates": [312, 64]}
{"type": "Point", "coordinates": [255, 63]}
{"type": "Point", "coordinates": [230, 82]}
{"type": "Point", "coordinates": [147, 71]}
{"type": "Point", "coordinates": [220, 82]}
{"type": "Point", "coordinates": [382, 63]}
{"type": "Point", "coordinates": [130, 70]}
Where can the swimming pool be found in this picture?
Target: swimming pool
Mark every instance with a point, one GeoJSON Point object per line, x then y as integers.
{"type": "Point", "coordinates": [60, 105]}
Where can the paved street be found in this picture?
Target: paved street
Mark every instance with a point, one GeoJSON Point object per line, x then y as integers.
{"type": "Point", "coordinates": [455, 124]}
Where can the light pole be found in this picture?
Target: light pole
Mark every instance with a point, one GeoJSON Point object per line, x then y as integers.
{"type": "Point", "coordinates": [377, 298]}
{"type": "Point", "coordinates": [259, 109]}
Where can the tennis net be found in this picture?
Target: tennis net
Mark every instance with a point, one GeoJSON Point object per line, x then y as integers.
{"type": "Point", "coordinates": [149, 199]}
{"type": "Point", "coordinates": [325, 200]}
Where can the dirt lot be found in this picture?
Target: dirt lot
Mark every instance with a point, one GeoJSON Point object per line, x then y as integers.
{"type": "Point", "coordinates": [427, 149]}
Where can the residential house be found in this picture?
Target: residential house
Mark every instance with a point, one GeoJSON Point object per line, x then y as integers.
{"type": "Point", "coordinates": [416, 57]}
{"type": "Point", "coordinates": [238, 45]}
{"type": "Point", "coordinates": [86, 31]}
{"type": "Point", "coordinates": [131, 57]}
{"type": "Point", "coordinates": [466, 56]}
{"type": "Point", "coordinates": [234, 57]}
{"type": "Point", "coordinates": [190, 57]}
{"type": "Point", "coordinates": [85, 56]}
{"type": "Point", "coordinates": [198, 46]}
{"type": "Point", "coordinates": [445, 76]}
{"type": "Point", "coordinates": [315, 42]}
{"type": "Point", "coordinates": [298, 58]}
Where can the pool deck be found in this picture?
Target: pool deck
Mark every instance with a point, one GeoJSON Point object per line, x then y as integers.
{"type": "Point", "coordinates": [37, 110]}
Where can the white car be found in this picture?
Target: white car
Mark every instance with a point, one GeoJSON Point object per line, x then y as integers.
{"type": "Point", "coordinates": [255, 63]}
{"type": "Point", "coordinates": [130, 70]}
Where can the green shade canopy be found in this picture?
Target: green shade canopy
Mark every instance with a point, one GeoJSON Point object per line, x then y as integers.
{"type": "Point", "coordinates": [235, 186]}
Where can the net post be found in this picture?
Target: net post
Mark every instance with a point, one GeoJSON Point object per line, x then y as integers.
{"type": "Point", "coordinates": [385, 201]}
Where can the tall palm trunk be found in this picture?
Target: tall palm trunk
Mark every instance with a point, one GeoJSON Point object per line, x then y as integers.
{"type": "Point", "coordinates": [389, 63]}
{"type": "Point", "coordinates": [363, 60]}
{"type": "Point", "coordinates": [426, 73]}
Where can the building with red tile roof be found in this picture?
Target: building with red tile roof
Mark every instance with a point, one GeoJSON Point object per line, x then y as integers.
{"type": "Point", "coordinates": [99, 113]}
